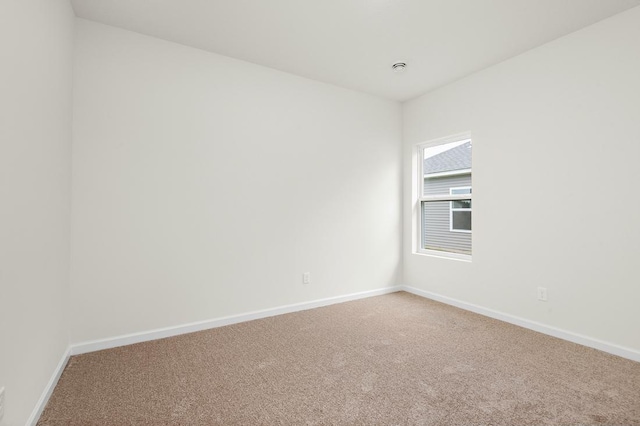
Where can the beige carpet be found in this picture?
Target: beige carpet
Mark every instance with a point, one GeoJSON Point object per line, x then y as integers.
{"type": "Point", "coordinates": [396, 359]}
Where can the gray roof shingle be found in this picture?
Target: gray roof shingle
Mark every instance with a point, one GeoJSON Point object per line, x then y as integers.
{"type": "Point", "coordinates": [457, 158]}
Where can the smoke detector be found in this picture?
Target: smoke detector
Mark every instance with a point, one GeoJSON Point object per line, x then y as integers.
{"type": "Point", "coordinates": [399, 67]}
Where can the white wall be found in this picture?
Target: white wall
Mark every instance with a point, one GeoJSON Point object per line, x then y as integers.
{"type": "Point", "coordinates": [205, 186]}
{"type": "Point", "coordinates": [556, 135]}
{"type": "Point", "coordinates": [36, 40]}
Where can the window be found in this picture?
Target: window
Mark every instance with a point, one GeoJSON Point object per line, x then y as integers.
{"type": "Point", "coordinates": [460, 216]}
{"type": "Point", "coordinates": [444, 197]}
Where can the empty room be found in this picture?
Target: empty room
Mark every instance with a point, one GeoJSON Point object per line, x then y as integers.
{"type": "Point", "coordinates": [330, 212]}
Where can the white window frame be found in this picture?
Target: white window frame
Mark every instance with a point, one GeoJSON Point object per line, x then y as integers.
{"type": "Point", "coordinates": [459, 209]}
{"type": "Point", "coordinates": [420, 197]}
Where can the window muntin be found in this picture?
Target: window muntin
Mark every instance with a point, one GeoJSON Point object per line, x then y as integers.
{"type": "Point", "coordinates": [445, 197]}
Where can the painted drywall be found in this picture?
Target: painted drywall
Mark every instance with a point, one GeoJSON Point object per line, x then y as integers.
{"type": "Point", "coordinates": [205, 186]}
{"type": "Point", "coordinates": [36, 41]}
{"type": "Point", "coordinates": [556, 135]}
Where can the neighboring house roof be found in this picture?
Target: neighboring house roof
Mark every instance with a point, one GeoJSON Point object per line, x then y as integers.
{"type": "Point", "coordinates": [457, 158]}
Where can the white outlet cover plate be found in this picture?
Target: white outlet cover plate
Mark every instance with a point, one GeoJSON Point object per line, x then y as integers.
{"type": "Point", "coordinates": [542, 294]}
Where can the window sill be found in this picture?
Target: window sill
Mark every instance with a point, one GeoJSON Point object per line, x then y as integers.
{"type": "Point", "coordinates": [444, 255]}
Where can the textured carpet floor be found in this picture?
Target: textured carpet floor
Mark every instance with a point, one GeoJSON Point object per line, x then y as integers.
{"type": "Point", "coordinates": [396, 359]}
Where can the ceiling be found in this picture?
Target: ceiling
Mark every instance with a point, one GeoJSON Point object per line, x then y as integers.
{"type": "Point", "coordinates": [353, 43]}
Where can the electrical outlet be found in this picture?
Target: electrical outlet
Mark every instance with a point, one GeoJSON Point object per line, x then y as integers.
{"type": "Point", "coordinates": [1, 403]}
{"type": "Point", "coordinates": [306, 278]}
{"type": "Point", "coordinates": [542, 294]}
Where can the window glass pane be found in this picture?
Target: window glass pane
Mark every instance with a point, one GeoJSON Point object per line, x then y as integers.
{"type": "Point", "coordinates": [447, 166]}
{"type": "Point", "coordinates": [461, 204]}
{"type": "Point", "coordinates": [436, 229]}
{"type": "Point", "coordinates": [461, 220]}
{"type": "Point", "coordinates": [460, 190]}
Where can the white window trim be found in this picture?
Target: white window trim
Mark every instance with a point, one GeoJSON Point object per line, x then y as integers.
{"type": "Point", "coordinates": [452, 209]}
{"type": "Point", "coordinates": [420, 197]}
{"type": "Point", "coordinates": [449, 173]}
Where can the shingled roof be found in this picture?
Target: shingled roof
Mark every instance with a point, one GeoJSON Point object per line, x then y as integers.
{"type": "Point", "coordinates": [457, 158]}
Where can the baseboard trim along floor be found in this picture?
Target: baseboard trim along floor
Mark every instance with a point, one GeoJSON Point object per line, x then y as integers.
{"type": "Point", "coordinates": [161, 333]}
{"type": "Point", "coordinates": [108, 343]}
{"type": "Point", "coordinates": [395, 358]}
{"type": "Point", "coordinates": [128, 339]}
{"type": "Point", "coordinates": [48, 390]}
{"type": "Point", "coordinates": [113, 342]}
{"type": "Point", "coordinates": [580, 339]}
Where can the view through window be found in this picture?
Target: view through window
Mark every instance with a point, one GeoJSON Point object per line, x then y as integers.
{"type": "Point", "coordinates": [445, 201]}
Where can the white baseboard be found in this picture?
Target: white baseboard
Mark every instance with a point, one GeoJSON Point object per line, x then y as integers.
{"type": "Point", "coordinates": [160, 333]}
{"type": "Point", "coordinates": [580, 339]}
{"type": "Point", "coordinates": [48, 390]}
{"type": "Point", "coordinates": [96, 345]}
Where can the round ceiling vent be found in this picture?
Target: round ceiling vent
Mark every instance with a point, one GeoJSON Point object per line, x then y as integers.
{"type": "Point", "coordinates": [399, 67]}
